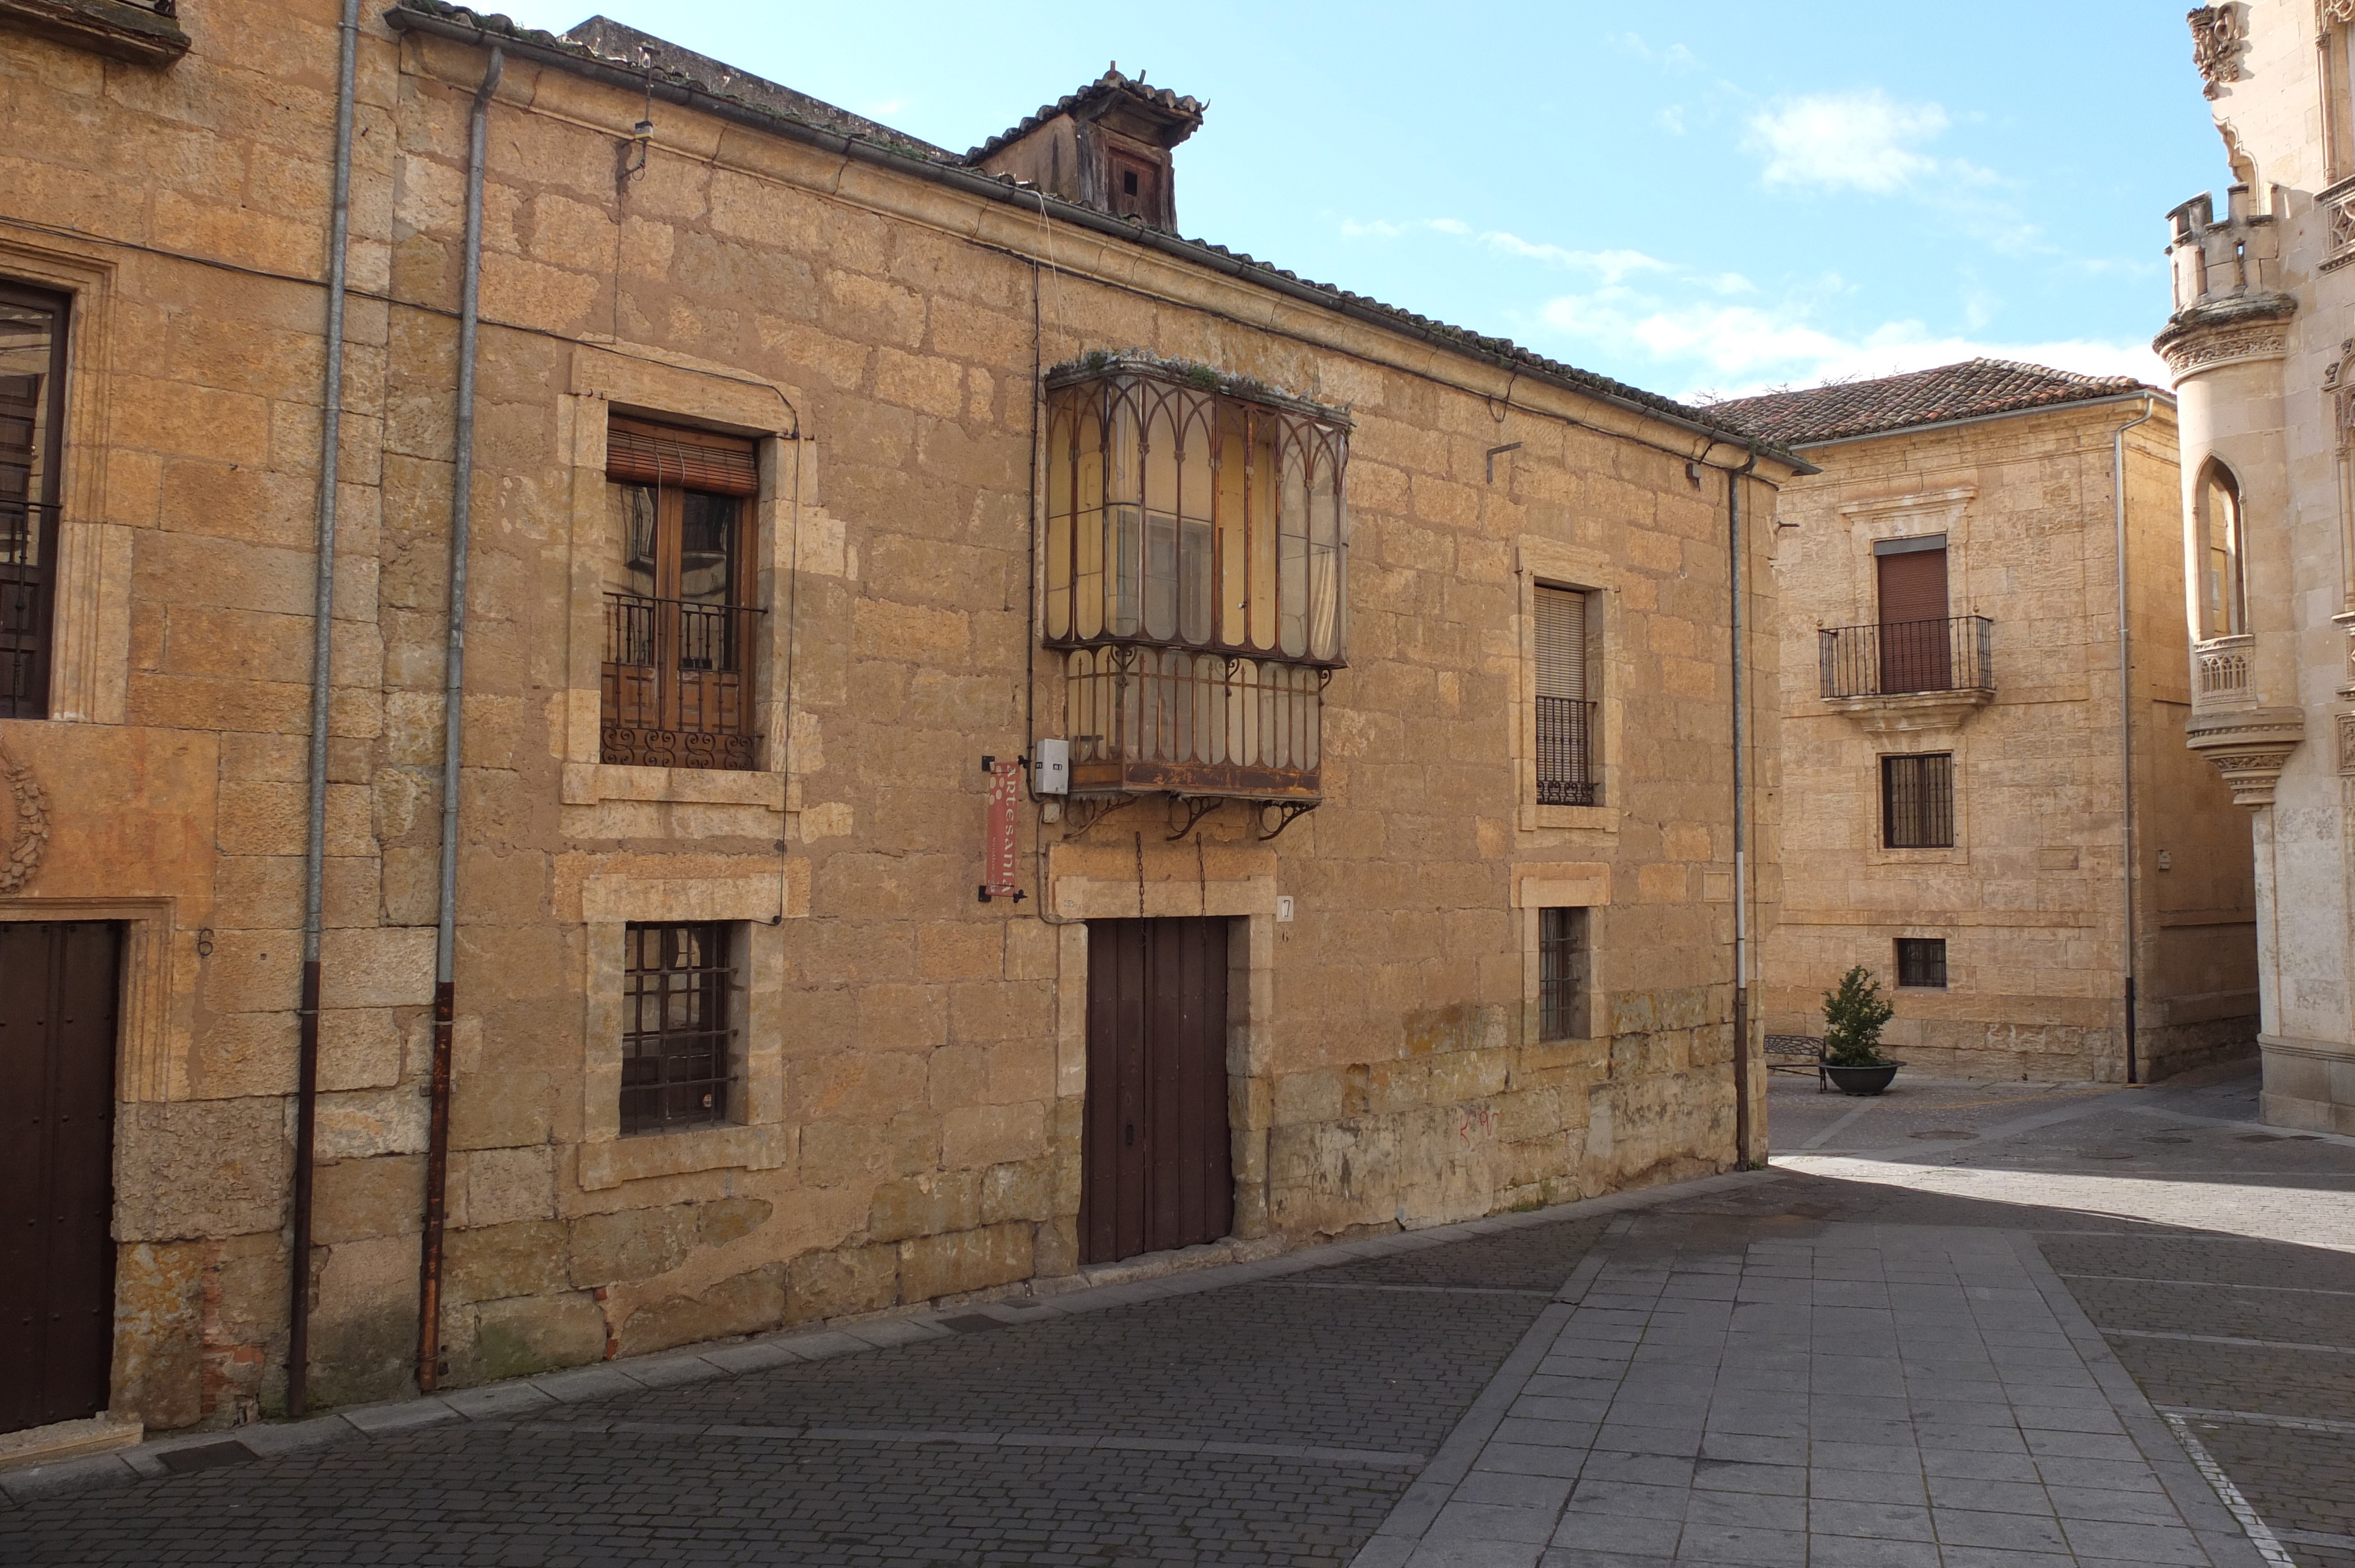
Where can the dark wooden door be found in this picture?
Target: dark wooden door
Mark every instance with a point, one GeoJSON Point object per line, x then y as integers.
{"type": "Point", "coordinates": [1157, 1171]}
{"type": "Point", "coordinates": [1915, 652]}
{"type": "Point", "coordinates": [58, 990]}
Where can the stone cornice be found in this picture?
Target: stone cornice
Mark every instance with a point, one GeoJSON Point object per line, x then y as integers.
{"type": "Point", "coordinates": [144, 36]}
{"type": "Point", "coordinates": [1912, 711]}
{"type": "Point", "coordinates": [2247, 747]}
{"type": "Point", "coordinates": [2225, 332]}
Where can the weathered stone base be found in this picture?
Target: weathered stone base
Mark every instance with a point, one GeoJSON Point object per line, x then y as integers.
{"type": "Point", "coordinates": [69, 1440]}
{"type": "Point", "coordinates": [2174, 1048]}
{"type": "Point", "coordinates": [2309, 1085]}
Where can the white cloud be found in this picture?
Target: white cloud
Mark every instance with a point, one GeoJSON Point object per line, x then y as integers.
{"type": "Point", "coordinates": [1608, 266]}
{"type": "Point", "coordinates": [1676, 56]}
{"type": "Point", "coordinates": [1672, 119]}
{"type": "Point", "coordinates": [1732, 350]}
{"type": "Point", "coordinates": [1864, 141]}
{"type": "Point", "coordinates": [1718, 334]}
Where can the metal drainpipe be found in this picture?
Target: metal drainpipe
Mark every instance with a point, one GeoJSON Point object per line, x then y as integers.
{"type": "Point", "coordinates": [1742, 1132]}
{"type": "Point", "coordinates": [454, 691]}
{"type": "Point", "coordinates": [323, 642]}
{"type": "Point", "coordinates": [2125, 723]}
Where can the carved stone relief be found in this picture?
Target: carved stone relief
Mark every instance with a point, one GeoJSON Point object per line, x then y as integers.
{"type": "Point", "coordinates": [2346, 743]}
{"type": "Point", "coordinates": [2205, 349]}
{"type": "Point", "coordinates": [2219, 34]}
{"type": "Point", "coordinates": [24, 824]}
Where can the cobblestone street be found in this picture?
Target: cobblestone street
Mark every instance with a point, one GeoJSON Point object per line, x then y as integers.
{"type": "Point", "coordinates": [1969, 1326]}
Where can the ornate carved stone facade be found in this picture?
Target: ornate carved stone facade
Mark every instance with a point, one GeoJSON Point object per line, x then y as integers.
{"type": "Point", "coordinates": [2260, 349]}
{"type": "Point", "coordinates": [24, 824]}
{"type": "Point", "coordinates": [2217, 40]}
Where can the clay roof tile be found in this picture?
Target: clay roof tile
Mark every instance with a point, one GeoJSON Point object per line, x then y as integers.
{"type": "Point", "coordinates": [1843, 410]}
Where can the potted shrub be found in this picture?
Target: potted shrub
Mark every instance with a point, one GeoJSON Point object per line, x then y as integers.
{"type": "Point", "coordinates": [1853, 1017]}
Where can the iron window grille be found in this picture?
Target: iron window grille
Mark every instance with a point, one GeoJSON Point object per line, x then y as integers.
{"type": "Point", "coordinates": [678, 1038]}
{"type": "Point", "coordinates": [677, 678]}
{"type": "Point", "coordinates": [1561, 971]}
{"type": "Point", "coordinates": [1917, 800]}
{"type": "Point", "coordinates": [1922, 962]}
{"type": "Point", "coordinates": [32, 447]}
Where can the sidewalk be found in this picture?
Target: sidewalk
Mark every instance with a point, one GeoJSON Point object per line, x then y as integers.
{"type": "Point", "coordinates": [1872, 1396]}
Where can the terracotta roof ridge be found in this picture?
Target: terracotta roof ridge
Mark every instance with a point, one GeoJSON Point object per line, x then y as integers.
{"type": "Point", "coordinates": [1162, 98]}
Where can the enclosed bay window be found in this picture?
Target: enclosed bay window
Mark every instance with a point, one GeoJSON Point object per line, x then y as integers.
{"type": "Point", "coordinates": [679, 623]}
{"type": "Point", "coordinates": [1195, 550]}
{"type": "Point", "coordinates": [32, 439]}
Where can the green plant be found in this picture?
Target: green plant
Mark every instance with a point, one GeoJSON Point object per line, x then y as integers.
{"type": "Point", "coordinates": [1853, 1016]}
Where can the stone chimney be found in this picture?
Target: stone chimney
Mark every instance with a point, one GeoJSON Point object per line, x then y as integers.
{"type": "Point", "coordinates": [1106, 146]}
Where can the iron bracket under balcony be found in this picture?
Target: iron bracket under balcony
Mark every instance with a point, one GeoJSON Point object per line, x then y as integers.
{"type": "Point", "coordinates": [1909, 676]}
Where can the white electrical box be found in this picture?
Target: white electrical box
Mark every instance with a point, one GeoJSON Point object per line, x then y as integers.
{"type": "Point", "coordinates": [1050, 768]}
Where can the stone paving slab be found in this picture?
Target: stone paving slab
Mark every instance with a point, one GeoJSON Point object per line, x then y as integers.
{"type": "Point", "coordinates": [1867, 1394]}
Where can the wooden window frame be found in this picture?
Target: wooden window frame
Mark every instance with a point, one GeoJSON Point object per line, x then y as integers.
{"type": "Point", "coordinates": [1912, 956]}
{"type": "Point", "coordinates": [706, 954]}
{"type": "Point", "coordinates": [677, 683]}
{"type": "Point", "coordinates": [29, 546]}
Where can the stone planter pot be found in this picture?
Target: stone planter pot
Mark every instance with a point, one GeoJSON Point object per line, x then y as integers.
{"type": "Point", "coordinates": [1861, 1080]}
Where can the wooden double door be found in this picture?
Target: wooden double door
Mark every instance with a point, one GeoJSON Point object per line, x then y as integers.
{"type": "Point", "coordinates": [1157, 1168]}
{"type": "Point", "coordinates": [58, 985]}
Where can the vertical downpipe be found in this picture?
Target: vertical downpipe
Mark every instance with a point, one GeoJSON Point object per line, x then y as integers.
{"type": "Point", "coordinates": [2125, 725]}
{"type": "Point", "coordinates": [1744, 1134]}
{"type": "Point", "coordinates": [453, 692]}
{"type": "Point", "coordinates": [323, 642]}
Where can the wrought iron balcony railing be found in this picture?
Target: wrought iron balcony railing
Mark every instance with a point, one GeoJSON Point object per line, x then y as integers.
{"type": "Point", "coordinates": [677, 683]}
{"type": "Point", "coordinates": [1908, 657]}
{"type": "Point", "coordinates": [1168, 719]}
{"type": "Point", "coordinates": [1566, 753]}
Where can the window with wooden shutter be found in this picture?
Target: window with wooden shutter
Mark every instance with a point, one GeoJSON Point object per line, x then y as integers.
{"type": "Point", "coordinates": [1916, 640]}
{"type": "Point", "coordinates": [1566, 773]}
{"type": "Point", "coordinates": [32, 445]}
{"type": "Point", "coordinates": [679, 631]}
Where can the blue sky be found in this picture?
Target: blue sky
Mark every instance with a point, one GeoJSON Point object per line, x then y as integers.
{"type": "Point", "coordinates": [1699, 199]}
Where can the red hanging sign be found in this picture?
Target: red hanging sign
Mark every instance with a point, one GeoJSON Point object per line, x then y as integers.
{"type": "Point", "coordinates": [999, 852]}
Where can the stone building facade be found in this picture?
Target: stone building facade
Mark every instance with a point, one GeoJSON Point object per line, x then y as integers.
{"type": "Point", "coordinates": [1953, 765]}
{"type": "Point", "coordinates": [811, 469]}
{"type": "Point", "coordinates": [2263, 359]}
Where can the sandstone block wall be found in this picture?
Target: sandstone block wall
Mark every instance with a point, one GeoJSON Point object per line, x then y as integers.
{"type": "Point", "coordinates": [2030, 900]}
{"type": "Point", "coordinates": [913, 1065]}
